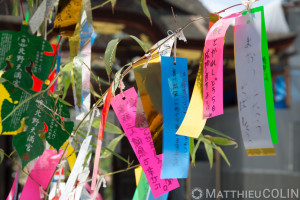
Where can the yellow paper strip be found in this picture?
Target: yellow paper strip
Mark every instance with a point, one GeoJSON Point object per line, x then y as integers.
{"type": "Point", "coordinates": [67, 17]}
{"type": "Point", "coordinates": [138, 173]}
{"type": "Point", "coordinates": [193, 123]}
{"type": "Point", "coordinates": [261, 152]}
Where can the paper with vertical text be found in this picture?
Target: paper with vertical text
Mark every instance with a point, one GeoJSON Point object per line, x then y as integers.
{"type": "Point", "coordinates": [250, 87]}
{"type": "Point", "coordinates": [142, 143]}
{"type": "Point", "coordinates": [175, 101]}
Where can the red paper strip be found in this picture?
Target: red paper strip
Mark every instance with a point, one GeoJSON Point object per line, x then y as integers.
{"type": "Point", "coordinates": [104, 113]}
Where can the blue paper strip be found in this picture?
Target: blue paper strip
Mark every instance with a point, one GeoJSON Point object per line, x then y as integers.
{"type": "Point", "coordinates": [162, 197]}
{"type": "Point", "coordinates": [175, 101]}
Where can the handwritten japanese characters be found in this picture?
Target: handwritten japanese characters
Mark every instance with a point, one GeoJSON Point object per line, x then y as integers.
{"type": "Point", "coordinates": [250, 82]}
{"type": "Point", "coordinates": [175, 101]}
{"type": "Point", "coordinates": [213, 68]}
{"type": "Point", "coordinates": [142, 143]}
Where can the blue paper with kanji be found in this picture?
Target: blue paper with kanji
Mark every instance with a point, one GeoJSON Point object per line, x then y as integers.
{"type": "Point", "coordinates": [175, 101]}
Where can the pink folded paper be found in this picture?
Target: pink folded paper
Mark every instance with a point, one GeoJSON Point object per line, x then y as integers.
{"type": "Point", "coordinates": [213, 67]}
{"type": "Point", "coordinates": [42, 173]}
{"type": "Point", "coordinates": [142, 143]}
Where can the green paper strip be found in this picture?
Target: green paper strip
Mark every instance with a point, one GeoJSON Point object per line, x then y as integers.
{"type": "Point", "coordinates": [267, 77]}
{"type": "Point", "coordinates": [141, 192]}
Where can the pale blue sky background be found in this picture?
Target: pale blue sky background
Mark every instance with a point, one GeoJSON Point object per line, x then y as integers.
{"type": "Point", "coordinates": [217, 5]}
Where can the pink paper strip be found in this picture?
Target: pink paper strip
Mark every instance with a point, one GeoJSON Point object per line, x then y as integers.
{"type": "Point", "coordinates": [213, 67]}
{"type": "Point", "coordinates": [142, 143]}
{"type": "Point", "coordinates": [42, 173]}
{"type": "Point", "coordinates": [13, 188]}
{"type": "Point", "coordinates": [103, 118]}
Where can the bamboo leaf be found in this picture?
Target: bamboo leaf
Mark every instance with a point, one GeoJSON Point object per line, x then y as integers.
{"type": "Point", "coordinates": [112, 146]}
{"type": "Point", "coordinates": [144, 45]}
{"type": "Point", "coordinates": [221, 141]}
{"type": "Point", "coordinates": [210, 153]}
{"type": "Point", "coordinates": [109, 127]}
{"type": "Point", "coordinates": [222, 153]}
{"type": "Point", "coordinates": [117, 155]}
{"type": "Point", "coordinates": [110, 54]}
{"type": "Point", "coordinates": [146, 10]}
{"type": "Point", "coordinates": [192, 146]}
{"type": "Point", "coordinates": [217, 132]}
{"type": "Point", "coordinates": [1, 155]}
{"type": "Point", "coordinates": [195, 150]}
{"type": "Point", "coordinates": [30, 2]}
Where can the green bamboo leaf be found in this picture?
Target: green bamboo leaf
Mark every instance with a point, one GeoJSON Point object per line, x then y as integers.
{"type": "Point", "coordinates": [1, 155]}
{"type": "Point", "coordinates": [221, 141]}
{"type": "Point", "coordinates": [15, 10]}
{"type": "Point", "coordinates": [192, 146]}
{"type": "Point", "coordinates": [194, 152]}
{"type": "Point", "coordinates": [65, 102]}
{"type": "Point", "coordinates": [116, 81]}
{"type": "Point", "coordinates": [217, 132]}
{"type": "Point", "coordinates": [109, 127]}
{"type": "Point", "coordinates": [113, 4]}
{"type": "Point", "coordinates": [144, 45]}
{"type": "Point", "coordinates": [112, 145]}
{"type": "Point", "coordinates": [110, 54]}
{"type": "Point", "coordinates": [77, 79]}
{"type": "Point", "coordinates": [67, 67]}
{"type": "Point", "coordinates": [30, 2]}
{"type": "Point", "coordinates": [2, 80]}
{"type": "Point", "coordinates": [94, 92]}
{"type": "Point", "coordinates": [210, 153]}
{"type": "Point", "coordinates": [221, 152]}
{"type": "Point", "coordinates": [116, 154]}
{"type": "Point", "coordinates": [146, 10]}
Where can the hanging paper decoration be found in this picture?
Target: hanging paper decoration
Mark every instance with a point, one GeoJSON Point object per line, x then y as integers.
{"type": "Point", "coordinates": [147, 74]}
{"type": "Point", "coordinates": [103, 118]}
{"type": "Point", "coordinates": [67, 17]}
{"type": "Point", "coordinates": [193, 123]}
{"type": "Point", "coordinates": [175, 101]}
{"type": "Point", "coordinates": [267, 77]}
{"type": "Point", "coordinates": [142, 143]}
{"type": "Point", "coordinates": [250, 79]}
{"type": "Point", "coordinates": [14, 189]}
{"type": "Point", "coordinates": [40, 15]}
{"type": "Point", "coordinates": [143, 191]}
{"type": "Point", "coordinates": [42, 173]}
{"type": "Point", "coordinates": [20, 48]}
{"type": "Point", "coordinates": [213, 67]}
{"type": "Point", "coordinates": [78, 169]}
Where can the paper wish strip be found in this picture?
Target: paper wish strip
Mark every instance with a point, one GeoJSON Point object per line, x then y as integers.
{"type": "Point", "coordinates": [213, 67]}
{"type": "Point", "coordinates": [267, 77]}
{"type": "Point", "coordinates": [142, 143]}
{"type": "Point", "coordinates": [147, 74]}
{"type": "Point", "coordinates": [175, 101]}
{"type": "Point", "coordinates": [250, 87]}
{"type": "Point", "coordinates": [67, 17]}
{"type": "Point", "coordinates": [193, 122]}
{"type": "Point", "coordinates": [42, 173]}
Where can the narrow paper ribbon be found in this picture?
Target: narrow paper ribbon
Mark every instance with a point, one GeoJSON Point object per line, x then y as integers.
{"type": "Point", "coordinates": [213, 67]}
{"type": "Point", "coordinates": [250, 81]}
{"type": "Point", "coordinates": [267, 77]}
{"type": "Point", "coordinates": [103, 118]}
{"type": "Point", "coordinates": [14, 189]}
{"type": "Point", "coordinates": [42, 173]}
{"type": "Point", "coordinates": [142, 143]}
{"type": "Point", "coordinates": [67, 17]}
{"type": "Point", "coordinates": [175, 101]}
{"type": "Point", "coordinates": [77, 169]}
{"type": "Point", "coordinates": [193, 123]}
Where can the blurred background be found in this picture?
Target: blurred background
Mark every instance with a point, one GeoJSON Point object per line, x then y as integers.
{"type": "Point", "coordinates": [255, 173]}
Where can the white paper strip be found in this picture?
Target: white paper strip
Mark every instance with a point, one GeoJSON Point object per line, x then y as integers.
{"type": "Point", "coordinates": [250, 86]}
{"type": "Point", "coordinates": [77, 169]}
